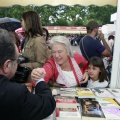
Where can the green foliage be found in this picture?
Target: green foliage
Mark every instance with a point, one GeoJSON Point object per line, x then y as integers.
{"type": "Point", "coordinates": [63, 15]}
{"type": "Point", "coordinates": [61, 22]}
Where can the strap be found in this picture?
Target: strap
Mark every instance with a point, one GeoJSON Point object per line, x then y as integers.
{"type": "Point", "coordinates": [84, 49]}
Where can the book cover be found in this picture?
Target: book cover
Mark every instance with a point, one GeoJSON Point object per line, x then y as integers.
{"type": "Point", "coordinates": [68, 92]}
{"type": "Point", "coordinates": [117, 100]}
{"type": "Point", "coordinates": [85, 93]}
{"type": "Point", "coordinates": [91, 108]}
{"type": "Point", "coordinates": [107, 103]}
{"type": "Point", "coordinates": [68, 89]}
{"type": "Point", "coordinates": [102, 93]}
{"type": "Point", "coordinates": [55, 91]}
{"type": "Point", "coordinates": [68, 113]}
{"type": "Point", "coordinates": [66, 101]}
{"type": "Point", "coordinates": [111, 113]}
{"type": "Point", "coordinates": [115, 92]}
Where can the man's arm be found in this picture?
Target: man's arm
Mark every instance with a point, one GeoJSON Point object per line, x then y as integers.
{"type": "Point", "coordinates": [106, 52]}
{"type": "Point", "coordinates": [39, 105]}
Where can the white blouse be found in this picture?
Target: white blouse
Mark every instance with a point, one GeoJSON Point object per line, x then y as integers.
{"type": "Point", "coordinates": [69, 79]}
{"type": "Point", "coordinates": [97, 84]}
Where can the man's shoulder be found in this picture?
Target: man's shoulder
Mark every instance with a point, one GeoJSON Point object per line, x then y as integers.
{"type": "Point", "coordinates": [11, 87]}
{"type": "Point", "coordinates": [87, 39]}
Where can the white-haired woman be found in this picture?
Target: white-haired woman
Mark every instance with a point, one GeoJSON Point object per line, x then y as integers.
{"type": "Point", "coordinates": [65, 68]}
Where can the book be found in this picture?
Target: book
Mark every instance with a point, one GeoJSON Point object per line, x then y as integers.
{"type": "Point", "coordinates": [85, 93]}
{"type": "Point", "coordinates": [68, 92]}
{"type": "Point", "coordinates": [68, 113]}
{"type": "Point", "coordinates": [117, 100]}
{"type": "Point", "coordinates": [111, 113]}
{"type": "Point", "coordinates": [68, 89]}
{"type": "Point", "coordinates": [107, 103]}
{"type": "Point", "coordinates": [65, 101]}
{"type": "Point", "coordinates": [115, 92]}
{"type": "Point", "coordinates": [55, 91]}
{"type": "Point", "coordinates": [91, 109]}
{"type": "Point", "coordinates": [102, 93]}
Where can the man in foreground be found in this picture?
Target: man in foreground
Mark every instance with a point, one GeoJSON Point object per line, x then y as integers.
{"type": "Point", "coordinates": [16, 102]}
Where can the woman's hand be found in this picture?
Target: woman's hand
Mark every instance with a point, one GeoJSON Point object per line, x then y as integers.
{"type": "Point", "coordinates": [38, 73]}
{"type": "Point", "coordinates": [85, 77]}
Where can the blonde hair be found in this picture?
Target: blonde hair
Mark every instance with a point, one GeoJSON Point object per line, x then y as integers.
{"type": "Point", "coordinates": [63, 40]}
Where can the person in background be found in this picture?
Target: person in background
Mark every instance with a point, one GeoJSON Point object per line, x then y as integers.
{"type": "Point", "coordinates": [16, 102]}
{"type": "Point", "coordinates": [17, 40]}
{"type": "Point", "coordinates": [65, 68]}
{"type": "Point", "coordinates": [90, 46]}
{"type": "Point", "coordinates": [46, 35]}
{"type": "Point", "coordinates": [97, 73]}
{"type": "Point", "coordinates": [35, 48]}
{"type": "Point", "coordinates": [111, 41]}
{"type": "Point", "coordinates": [21, 33]}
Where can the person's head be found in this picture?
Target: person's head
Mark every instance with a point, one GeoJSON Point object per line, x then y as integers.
{"type": "Point", "coordinates": [45, 33]}
{"type": "Point", "coordinates": [96, 69]}
{"type": "Point", "coordinates": [8, 54]}
{"type": "Point", "coordinates": [61, 49]}
{"type": "Point", "coordinates": [31, 24]}
{"type": "Point", "coordinates": [92, 27]}
{"type": "Point", "coordinates": [111, 37]}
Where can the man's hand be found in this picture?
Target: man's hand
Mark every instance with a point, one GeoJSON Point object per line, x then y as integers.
{"type": "Point", "coordinates": [38, 73]}
{"type": "Point", "coordinates": [101, 35]}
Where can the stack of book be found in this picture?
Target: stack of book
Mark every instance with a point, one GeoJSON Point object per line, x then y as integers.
{"type": "Point", "coordinates": [67, 108]}
{"type": "Point", "coordinates": [87, 104]}
{"type": "Point", "coordinates": [66, 101]}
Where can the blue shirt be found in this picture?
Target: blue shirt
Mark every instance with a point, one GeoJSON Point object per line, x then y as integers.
{"type": "Point", "coordinates": [92, 47]}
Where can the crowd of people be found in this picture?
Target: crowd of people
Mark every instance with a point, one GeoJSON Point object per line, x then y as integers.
{"type": "Point", "coordinates": [51, 63]}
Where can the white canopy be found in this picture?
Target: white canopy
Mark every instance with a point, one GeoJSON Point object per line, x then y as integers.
{"type": "Point", "coordinates": [5, 3]}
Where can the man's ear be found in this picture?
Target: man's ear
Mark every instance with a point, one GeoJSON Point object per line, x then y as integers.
{"type": "Point", "coordinates": [6, 66]}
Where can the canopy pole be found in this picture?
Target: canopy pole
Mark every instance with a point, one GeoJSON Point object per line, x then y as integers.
{"type": "Point", "coordinates": [115, 77]}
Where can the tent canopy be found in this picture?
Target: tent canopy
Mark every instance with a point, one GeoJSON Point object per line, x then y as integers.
{"type": "Point", "coordinates": [5, 3]}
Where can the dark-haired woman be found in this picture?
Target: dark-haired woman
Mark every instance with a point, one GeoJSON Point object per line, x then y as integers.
{"type": "Point", "coordinates": [34, 48]}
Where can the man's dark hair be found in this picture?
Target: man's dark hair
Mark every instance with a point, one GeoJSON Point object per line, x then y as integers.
{"type": "Point", "coordinates": [7, 47]}
{"type": "Point", "coordinates": [91, 25]}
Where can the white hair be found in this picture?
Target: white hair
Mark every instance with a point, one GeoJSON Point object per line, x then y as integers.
{"type": "Point", "coordinates": [63, 40]}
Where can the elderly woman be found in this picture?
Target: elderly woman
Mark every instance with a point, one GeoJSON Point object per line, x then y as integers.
{"type": "Point", "coordinates": [65, 68]}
